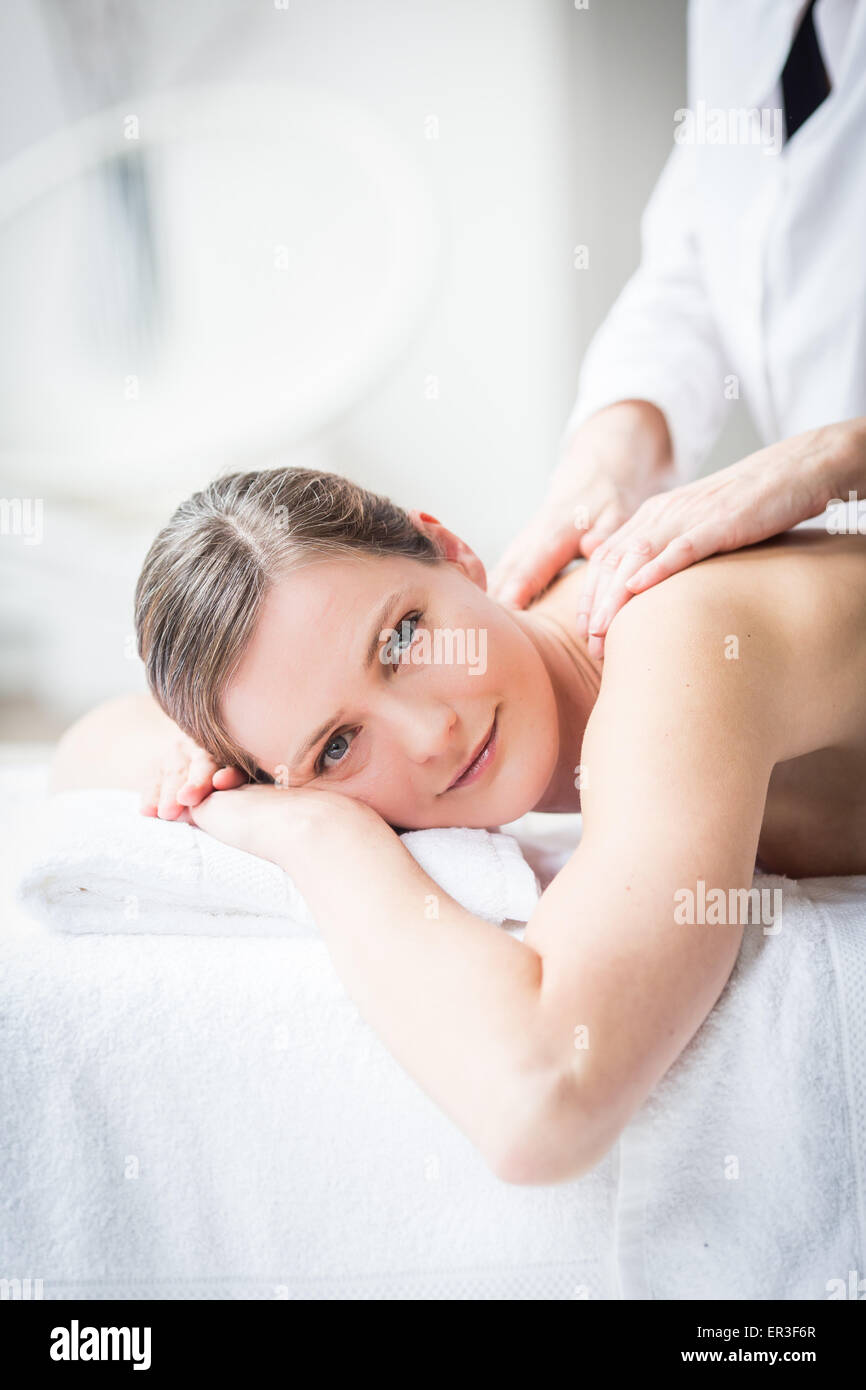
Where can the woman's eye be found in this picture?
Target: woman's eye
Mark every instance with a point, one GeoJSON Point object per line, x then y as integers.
{"type": "Point", "coordinates": [338, 755]}
{"type": "Point", "coordinates": [337, 745]}
{"type": "Point", "coordinates": [405, 634]}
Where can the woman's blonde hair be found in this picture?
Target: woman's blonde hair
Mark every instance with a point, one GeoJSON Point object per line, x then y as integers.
{"type": "Point", "coordinates": [207, 572]}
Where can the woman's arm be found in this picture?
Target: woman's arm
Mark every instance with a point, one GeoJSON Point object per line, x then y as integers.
{"type": "Point", "coordinates": [636, 941]}
{"type": "Point", "coordinates": [454, 997]}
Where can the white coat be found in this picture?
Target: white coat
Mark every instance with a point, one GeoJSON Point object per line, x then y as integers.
{"type": "Point", "coordinates": [752, 280]}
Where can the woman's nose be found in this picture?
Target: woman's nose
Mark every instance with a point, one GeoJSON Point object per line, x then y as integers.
{"type": "Point", "coordinates": [426, 730]}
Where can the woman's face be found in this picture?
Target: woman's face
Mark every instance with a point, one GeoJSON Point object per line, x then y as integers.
{"type": "Point", "coordinates": [396, 730]}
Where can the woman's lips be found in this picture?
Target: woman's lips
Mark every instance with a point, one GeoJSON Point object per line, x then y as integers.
{"type": "Point", "coordinates": [482, 761]}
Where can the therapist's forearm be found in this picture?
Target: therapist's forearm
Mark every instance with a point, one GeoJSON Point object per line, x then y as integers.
{"type": "Point", "coordinates": [629, 436]}
{"type": "Point", "coordinates": [453, 997]}
{"type": "Point", "coordinates": [844, 450]}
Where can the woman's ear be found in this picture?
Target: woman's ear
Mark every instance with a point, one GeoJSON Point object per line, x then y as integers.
{"type": "Point", "coordinates": [451, 547]}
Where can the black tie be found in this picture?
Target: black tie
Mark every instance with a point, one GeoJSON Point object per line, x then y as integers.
{"type": "Point", "coordinates": [805, 83]}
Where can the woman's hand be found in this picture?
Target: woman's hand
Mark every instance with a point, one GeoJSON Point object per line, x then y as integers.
{"type": "Point", "coordinates": [187, 774]}
{"type": "Point", "coordinates": [615, 459]}
{"type": "Point", "coordinates": [276, 822]}
{"type": "Point", "coordinates": [764, 494]}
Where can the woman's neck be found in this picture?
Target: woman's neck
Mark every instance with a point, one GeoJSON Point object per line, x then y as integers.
{"type": "Point", "coordinates": [575, 678]}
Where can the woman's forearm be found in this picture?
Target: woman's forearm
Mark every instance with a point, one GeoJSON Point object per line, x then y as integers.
{"type": "Point", "coordinates": [454, 998]}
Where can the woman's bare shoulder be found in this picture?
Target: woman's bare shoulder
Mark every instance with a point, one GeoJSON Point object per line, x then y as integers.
{"type": "Point", "coordinates": [771, 628]}
{"type": "Point", "coordinates": [111, 745]}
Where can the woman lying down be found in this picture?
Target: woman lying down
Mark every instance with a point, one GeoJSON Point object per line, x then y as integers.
{"type": "Point", "coordinates": [303, 710]}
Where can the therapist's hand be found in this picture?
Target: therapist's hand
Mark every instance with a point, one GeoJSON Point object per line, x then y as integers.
{"type": "Point", "coordinates": [612, 462]}
{"type": "Point", "coordinates": [764, 494]}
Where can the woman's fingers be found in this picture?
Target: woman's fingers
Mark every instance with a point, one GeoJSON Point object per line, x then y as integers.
{"type": "Point", "coordinates": [150, 799]}
{"type": "Point", "coordinates": [187, 775]}
{"type": "Point", "coordinates": [205, 776]}
{"type": "Point", "coordinates": [169, 808]}
{"type": "Point", "coordinates": [198, 780]}
{"type": "Point", "coordinates": [171, 795]}
{"type": "Point", "coordinates": [229, 777]}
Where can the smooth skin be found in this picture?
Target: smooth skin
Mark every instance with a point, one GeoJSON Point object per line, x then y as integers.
{"type": "Point", "coordinates": [728, 720]}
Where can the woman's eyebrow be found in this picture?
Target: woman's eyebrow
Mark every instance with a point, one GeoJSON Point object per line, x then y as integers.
{"type": "Point", "coordinates": [378, 624]}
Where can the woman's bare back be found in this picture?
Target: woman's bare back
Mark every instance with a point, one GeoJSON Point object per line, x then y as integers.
{"type": "Point", "coordinates": [815, 815]}
{"type": "Point", "coordinates": [809, 589]}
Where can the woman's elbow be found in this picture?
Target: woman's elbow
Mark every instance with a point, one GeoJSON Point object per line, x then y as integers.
{"type": "Point", "coordinates": [561, 1139]}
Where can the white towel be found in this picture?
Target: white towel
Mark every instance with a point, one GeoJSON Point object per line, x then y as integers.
{"type": "Point", "coordinates": [207, 1118]}
{"type": "Point", "coordinates": [88, 861]}
{"type": "Point", "coordinates": [743, 1174]}
{"type": "Point", "coordinates": [210, 1117]}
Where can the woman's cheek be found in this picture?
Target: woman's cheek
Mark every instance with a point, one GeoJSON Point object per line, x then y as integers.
{"type": "Point", "coordinates": [378, 786]}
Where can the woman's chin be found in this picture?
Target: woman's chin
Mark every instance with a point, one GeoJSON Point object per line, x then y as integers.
{"type": "Point", "coordinates": [466, 821]}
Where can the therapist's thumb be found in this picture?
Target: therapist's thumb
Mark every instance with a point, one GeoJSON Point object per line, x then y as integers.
{"type": "Point", "coordinates": [534, 557]}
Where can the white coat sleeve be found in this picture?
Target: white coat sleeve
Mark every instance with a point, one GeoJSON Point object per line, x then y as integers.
{"type": "Point", "coordinates": [659, 341]}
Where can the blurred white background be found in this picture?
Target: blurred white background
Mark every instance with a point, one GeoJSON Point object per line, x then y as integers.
{"type": "Point", "coordinates": [328, 232]}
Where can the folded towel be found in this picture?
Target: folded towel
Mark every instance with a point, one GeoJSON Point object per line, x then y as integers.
{"type": "Point", "coordinates": [88, 861]}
